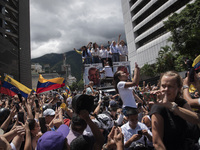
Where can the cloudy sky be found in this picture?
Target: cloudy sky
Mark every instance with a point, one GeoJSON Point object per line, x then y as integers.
{"type": "Point", "coordinates": [58, 26]}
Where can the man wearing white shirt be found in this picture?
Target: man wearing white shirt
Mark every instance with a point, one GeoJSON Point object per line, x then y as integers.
{"type": "Point", "coordinates": [134, 131]}
{"type": "Point", "coordinates": [115, 52]}
{"type": "Point", "coordinates": [103, 54]}
{"type": "Point", "coordinates": [107, 70]}
{"type": "Point", "coordinates": [123, 49]}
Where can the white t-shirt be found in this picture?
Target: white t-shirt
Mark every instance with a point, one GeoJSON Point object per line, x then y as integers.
{"type": "Point", "coordinates": [126, 95]}
{"type": "Point", "coordinates": [129, 132]}
{"type": "Point", "coordinates": [108, 71]}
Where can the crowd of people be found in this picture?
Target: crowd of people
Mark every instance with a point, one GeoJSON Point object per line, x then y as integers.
{"type": "Point", "coordinates": [162, 117]}
{"type": "Point", "coordinates": [114, 52]}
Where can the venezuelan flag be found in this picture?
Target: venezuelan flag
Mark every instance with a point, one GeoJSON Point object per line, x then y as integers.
{"type": "Point", "coordinates": [49, 84]}
{"type": "Point", "coordinates": [68, 90]}
{"type": "Point", "coordinates": [12, 87]}
{"type": "Point", "coordinates": [196, 63]}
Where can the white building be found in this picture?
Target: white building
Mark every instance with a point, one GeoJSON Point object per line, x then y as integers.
{"type": "Point", "coordinates": [36, 68]}
{"type": "Point", "coordinates": [144, 28]}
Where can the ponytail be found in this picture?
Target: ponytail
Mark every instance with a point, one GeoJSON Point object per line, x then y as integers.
{"type": "Point", "coordinates": [116, 80]}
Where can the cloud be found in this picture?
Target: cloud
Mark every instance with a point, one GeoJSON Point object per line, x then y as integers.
{"type": "Point", "coordinates": [61, 25]}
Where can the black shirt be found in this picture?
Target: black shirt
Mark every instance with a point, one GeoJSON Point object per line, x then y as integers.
{"type": "Point", "coordinates": [174, 127]}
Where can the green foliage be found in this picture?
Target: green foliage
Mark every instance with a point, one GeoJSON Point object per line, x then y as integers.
{"type": "Point", "coordinates": [77, 86]}
{"type": "Point", "coordinates": [180, 63]}
{"type": "Point", "coordinates": [165, 60]}
{"type": "Point", "coordinates": [80, 85]}
{"type": "Point", "coordinates": [185, 30]}
{"type": "Point", "coordinates": [74, 86]}
{"type": "Point", "coordinates": [148, 70]}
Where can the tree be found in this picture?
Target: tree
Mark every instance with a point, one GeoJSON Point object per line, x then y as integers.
{"type": "Point", "coordinates": [185, 30]}
{"type": "Point", "coordinates": [80, 85]}
{"type": "Point", "coordinates": [165, 60]}
{"type": "Point", "coordinates": [148, 70]}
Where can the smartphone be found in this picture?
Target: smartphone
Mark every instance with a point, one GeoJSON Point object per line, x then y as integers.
{"type": "Point", "coordinates": [140, 132]}
{"type": "Point", "coordinates": [20, 97]}
{"type": "Point", "coordinates": [16, 104]}
{"type": "Point", "coordinates": [21, 117]}
{"type": "Point", "coordinates": [58, 104]}
{"type": "Point", "coordinates": [36, 102]}
{"type": "Point", "coordinates": [43, 124]}
{"type": "Point", "coordinates": [191, 75]}
{"type": "Point", "coordinates": [149, 97]}
{"type": "Point", "coordinates": [115, 124]}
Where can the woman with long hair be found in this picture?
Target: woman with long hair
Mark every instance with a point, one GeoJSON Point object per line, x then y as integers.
{"type": "Point", "coordinates": [125, 88]}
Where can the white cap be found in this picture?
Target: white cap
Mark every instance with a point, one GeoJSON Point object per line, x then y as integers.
{"type": "Point", "coordinates": [48, 112]}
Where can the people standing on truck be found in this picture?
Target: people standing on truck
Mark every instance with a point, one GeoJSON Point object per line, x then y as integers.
{"type": "Point", "coordinates": [125, 88]}
{"type": "Point", "coordinates": [115, 51]}
{"type": "Point", "coordinates": [107, 70]}
{"type": "Point", "coordinates": [123, 49]}
{"type": "Point", "coordinates": [109, 56]}
{"type": "Point", "coordinates": [86, 54]}
{"type": "Point", "coordinates": [95, 53]}
{"type": "Point", "coordinates": [103, 55]}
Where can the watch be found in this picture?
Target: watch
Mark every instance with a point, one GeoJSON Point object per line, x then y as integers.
{"type": "Point", "coordinates": [185, 87]}
{"type": "Point", "coordinates": [174, 105]}
{"type": "Point", "coordinates": [104, 147]}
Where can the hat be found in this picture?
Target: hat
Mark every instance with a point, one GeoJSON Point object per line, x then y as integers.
{"type": "Point", "coordinates": [48, 112]}
{"type": "Point", "coordinates": [4, 113]}
{"type": "Point", "coordinates": [81, 102]}
{"type": "Point", "coordinates": [52, 140]}
{"type": "Point", "coordinates": [113, 103]}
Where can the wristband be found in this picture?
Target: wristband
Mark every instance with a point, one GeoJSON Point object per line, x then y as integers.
{"type": "Point", "coordinates": [199, 101]}
{"type": "Point", "coordinates": [185, 87]}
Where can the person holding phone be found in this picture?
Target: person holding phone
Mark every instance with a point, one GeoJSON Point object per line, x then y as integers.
{"type": "Point", "coordinates": [35, 129]}
{"type": "Point", "coordinates": [135, 133]}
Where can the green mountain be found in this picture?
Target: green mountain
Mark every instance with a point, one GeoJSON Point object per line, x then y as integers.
{"type": "Point", "coordinates": [56, 60]}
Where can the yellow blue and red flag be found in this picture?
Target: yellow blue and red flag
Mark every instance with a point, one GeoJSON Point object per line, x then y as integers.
{"type": "Point", "coordinates": [49, 84]}
{"type": "Point", "coordinates": [196, 63]}
{"type": "Point", "coordinates": [12, 87]}
{"type": "Point", "coordinates": [68, 90]}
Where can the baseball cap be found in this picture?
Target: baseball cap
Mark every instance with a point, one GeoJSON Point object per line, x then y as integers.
{"type": "Point", "coordinates": [52, 140]}
{"type": "Point", "coordinates": [113, 103]}
{"type": "Point", "coordinates": [48, 112]}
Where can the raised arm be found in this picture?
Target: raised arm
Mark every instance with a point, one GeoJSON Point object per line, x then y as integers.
{"type": "Point", "coordinates": [136, 77]}
{"type": "Point", "coordinates": [6, 123]}
{"type": "Point", "coordinates": [95, 130]}
{"type": "Point", "coordinates": [79, 52]}
{"type": "Point", "coordinates": [118, 41]}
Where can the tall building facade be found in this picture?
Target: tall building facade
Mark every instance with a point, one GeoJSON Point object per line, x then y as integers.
{"type": "Point", "coordinates": [144, 28]}
{"type": "Point", "coordinates": [15, 40]}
